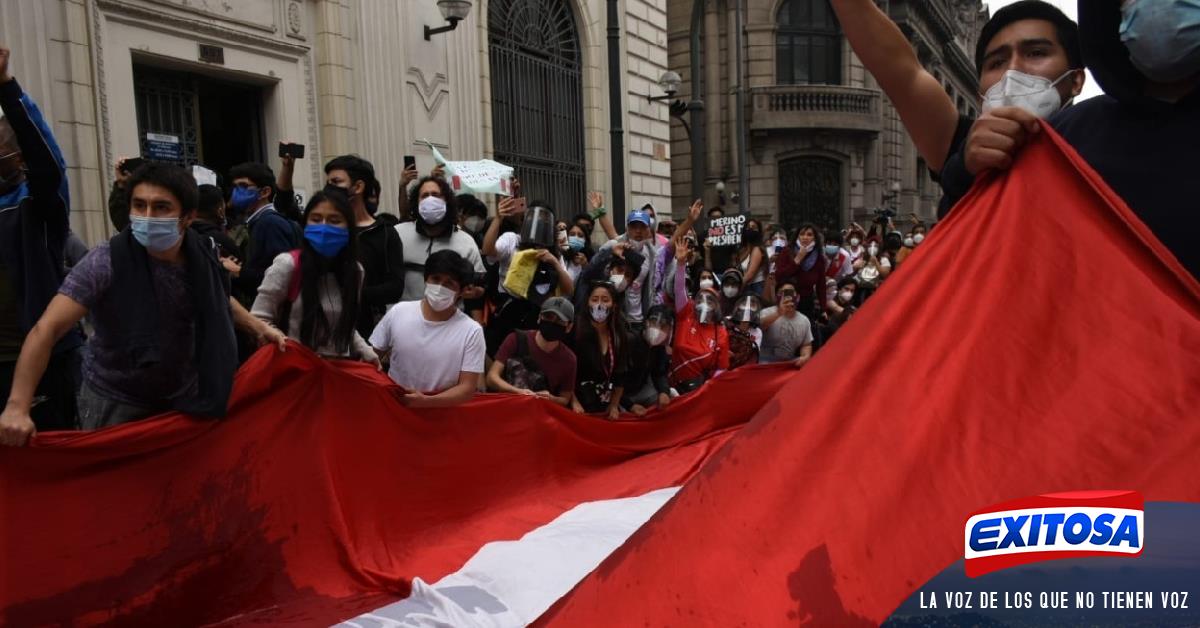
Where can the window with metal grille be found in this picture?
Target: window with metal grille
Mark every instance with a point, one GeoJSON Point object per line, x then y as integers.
{"type": "Point", "coordinates": [810, 191]}
{"type": "Point", "coordinates": [808, 44]}
{"type": "Point", "coordinates": [537, 98]}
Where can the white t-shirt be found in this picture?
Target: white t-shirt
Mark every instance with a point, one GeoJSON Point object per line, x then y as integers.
{"type": "Point", "coordinates": [633, 294]}
{"type": "Point", "coordinates": [784, 337]}
{"type": "Point", "coordinates": [417, 249]}
{"type": "Point", "coordinates": [429, 356]}
{"type": "Point", "coordinates": [506, 247]}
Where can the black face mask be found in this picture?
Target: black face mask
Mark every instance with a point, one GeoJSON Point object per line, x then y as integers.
{"type": "Point", "coordinates": [552, 331]}
{"type": "Point", "coordinates": [372, 207]}
{"type": "Point", "coordinates": [333, 189]}
{"type": "Point", "coordinates": [751, 236]}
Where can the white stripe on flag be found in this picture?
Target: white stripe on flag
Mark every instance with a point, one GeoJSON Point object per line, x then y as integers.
{"type": "Point", "coordinates": [511, 583]}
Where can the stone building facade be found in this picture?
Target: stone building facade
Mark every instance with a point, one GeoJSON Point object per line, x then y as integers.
{"type": "Point", "coordinates": [219, 82]}
{"type": "Point", "coordinates": [824, 144]}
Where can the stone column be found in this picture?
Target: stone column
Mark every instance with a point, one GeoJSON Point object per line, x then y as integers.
{"type": "Point", "coordinates": [334, 51]}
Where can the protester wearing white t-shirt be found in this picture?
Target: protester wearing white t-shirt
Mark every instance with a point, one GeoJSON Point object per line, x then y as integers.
{"type": "Point", "coordinates": [436, 351]}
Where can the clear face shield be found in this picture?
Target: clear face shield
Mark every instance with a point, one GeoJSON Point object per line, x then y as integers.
{"type": "Point", "coordinates": [747, 310]}
{"type": "Point", "coordinates": [658, 328]}
{"type": "Point", "coordinates": [539, 228]}
{"type": "Point", "coordinates": [708, 309]}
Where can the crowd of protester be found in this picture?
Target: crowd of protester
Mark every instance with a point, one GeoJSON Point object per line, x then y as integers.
{"type": "Point", "coordinates": [454, 294]}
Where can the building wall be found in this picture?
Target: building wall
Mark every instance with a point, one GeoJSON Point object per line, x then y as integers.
{"type": "Point", "coordinates": [337, 75]}
{"type": "Point", "coordinates": [872, 161]}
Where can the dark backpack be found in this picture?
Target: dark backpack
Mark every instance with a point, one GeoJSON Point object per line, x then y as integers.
{"type": "Point", "coordinates": [521, 370]}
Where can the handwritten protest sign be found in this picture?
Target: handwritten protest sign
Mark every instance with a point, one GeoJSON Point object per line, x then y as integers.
{"type": "Point", "coordinates": [476, 177]}
{"type": "Point", "coordinates": [727, 230]}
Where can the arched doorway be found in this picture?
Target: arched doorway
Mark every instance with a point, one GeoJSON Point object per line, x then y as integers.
{"type": "Point", "coordinates": [810, 190]}
{"type": "Point", "coordinates": [537, 98]}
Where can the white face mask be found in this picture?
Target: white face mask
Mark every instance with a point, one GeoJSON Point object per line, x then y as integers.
{"type": "Point", "coordinates": [855, 241]}
{"type": "Point", "coordinates": [706, 284]}
{"type": "Point", "coordinates": [440, 298]}
{"type": "Point", "coordinates": [909, 242]}
{"type": "Point", "coordinates": [599, 312]}
{"type": "Point", "coordinates": [432, 210]}
{"type": "Point", "coordinates": [873, 250]}
{"type": "Point", "coordinates": [731, 291]}
{"type": "Point", "coordinates": [917, 239]}
{"type": "Point", "coordinates": [846, 295]}
{"type": "Point", "coordinates": [655, 336]}
{"type": "Point", "coordinates": [618, 281]}
{"type": "Point", "coordinates": [474, 224]}
{"type": "Point", "coordinates": [1034, 94]}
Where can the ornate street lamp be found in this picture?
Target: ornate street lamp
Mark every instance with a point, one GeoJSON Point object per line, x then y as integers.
{"type": "Point", "coordinates": [454, 11]}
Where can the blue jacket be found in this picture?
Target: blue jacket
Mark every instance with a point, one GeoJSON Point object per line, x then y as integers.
{"type": "Point", "coordinates": [34, 215]}
{"type": "Point", "coordinates": [270, 235]}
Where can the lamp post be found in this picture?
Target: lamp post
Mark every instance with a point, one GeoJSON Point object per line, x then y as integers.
{"type": "Point", "coordinates": [453, 11]}
{"type": "Point", "coordinates": [669, 84]}
{"type": "Point", "coordinates": [616, 107]}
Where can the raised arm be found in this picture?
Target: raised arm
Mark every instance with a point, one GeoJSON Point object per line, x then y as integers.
{"type": "Point", "coordinates": [693, 215]}
{"type": "Point", "coordinates": [493, 231]}
{"type": "Point", "coordinates": [928, 113]}
{"type": "Point", "coordinates": [600, 215]}
{"type": "Point", "coordinates": [681, 296]}
{"type": "Point", "coordinates": [285, 191]}
{"type": "Point", "coordinates": [44, 165]}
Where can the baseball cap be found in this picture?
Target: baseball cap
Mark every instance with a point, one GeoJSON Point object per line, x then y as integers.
{"type": "Point", "coordinates": [641, 216]}
{"type": "Point", "coordinates": [560, 307]}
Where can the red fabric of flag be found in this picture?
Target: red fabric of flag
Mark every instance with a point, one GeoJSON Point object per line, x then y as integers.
{"type": "Point", "coordinates": [1041, 340]}
{"type": "Point", "coordinates": [319, 497]}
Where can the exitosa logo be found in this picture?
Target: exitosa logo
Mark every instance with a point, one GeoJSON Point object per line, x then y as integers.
{"type": "Point", "coordinates": [1053, 526]}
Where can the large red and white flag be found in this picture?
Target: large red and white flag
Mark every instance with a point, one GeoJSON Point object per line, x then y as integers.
{"type": "Point", "coordinates": [1040, 340]}
{"type": "Point", "coordinates": [320, 499]}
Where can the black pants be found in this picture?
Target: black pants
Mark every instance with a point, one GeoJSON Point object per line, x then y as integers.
{"type": "Point", "coordinates": [54, 400]}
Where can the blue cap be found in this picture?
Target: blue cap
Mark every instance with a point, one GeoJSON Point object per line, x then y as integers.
{"type": "Point", "coordinates": [639, 216]}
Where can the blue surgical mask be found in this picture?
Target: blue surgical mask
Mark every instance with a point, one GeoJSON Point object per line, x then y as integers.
{"type": "Point", "coordinates": [156, 234]}
{"type": "Point", "coordinates": [575, 243]}
{"type": "Point", "coordinates": [327, 240]}
{"type": "Point", "coordinates": [831, 249]}
{"type": "Point", "coordinates": [243, 198]}
{"type": "Point", "coordinates": [1163, 38]}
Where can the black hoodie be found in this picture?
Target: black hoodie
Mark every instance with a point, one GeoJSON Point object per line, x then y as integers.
{"type": "Point", "coordinates": [1147, 150]}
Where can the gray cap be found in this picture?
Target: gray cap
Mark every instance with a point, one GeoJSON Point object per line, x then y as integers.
{"type": "Point", "coordinates": [560, 307]}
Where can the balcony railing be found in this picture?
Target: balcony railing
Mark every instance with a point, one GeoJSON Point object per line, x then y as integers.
{"type": "Point", "coordinates": [816, 107]}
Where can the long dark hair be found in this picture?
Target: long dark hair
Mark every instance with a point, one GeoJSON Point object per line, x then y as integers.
{"type": "Point", "coordinates": [414, 202]}
{"type": "Point", "coordinates": [746, 250]}
{"type": "Point", "coordinates": [314, 326]}
{"type": "Point", "coordinates": [587, 340]}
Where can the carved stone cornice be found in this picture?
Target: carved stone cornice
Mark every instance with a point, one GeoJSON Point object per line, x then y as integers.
{"type": "Point", "coordinates": [193, 27]}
